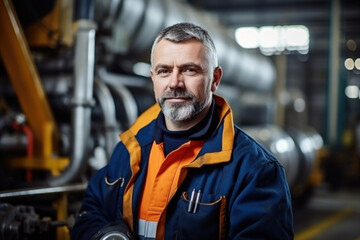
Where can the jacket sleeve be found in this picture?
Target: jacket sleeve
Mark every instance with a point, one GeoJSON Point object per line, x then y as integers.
{"type": "Point", "coordinates": [92, 216]}
{"type": "Point", "coordinates": [261, 208]}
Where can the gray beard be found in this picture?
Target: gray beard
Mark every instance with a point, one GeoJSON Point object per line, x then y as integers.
{"type": "Point", "coordinates": [181, 111]}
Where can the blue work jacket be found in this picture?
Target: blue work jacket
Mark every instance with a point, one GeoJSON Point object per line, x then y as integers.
{"type": "Point", "coordinates": [244, 190]}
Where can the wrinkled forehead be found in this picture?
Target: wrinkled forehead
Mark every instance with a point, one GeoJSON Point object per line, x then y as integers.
{"type": "Point", "coordinates": [190, 50]}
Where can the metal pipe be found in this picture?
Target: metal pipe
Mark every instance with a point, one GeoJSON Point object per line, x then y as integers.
{"type": "Point", "coordinates": [295, 148]}
{"type": "Point", "coordinates": [13, 142]}
{"type": "Point", "coordinates": [84, 9]}
{"type": "Point", "coordinates": [82, 102]}
{"type": "Point", "coordinates": [45, 191]}
{"type": "Point", "coordinates": [107, 104]}
{"type": "Point", "coordinates": [333, 93]}
{"type": "Point", "coordinates": [129, 103]}
{"type": "Point", "coordinates": [281, 145]}
{"type": "Point", "coordinates": [119, 83]}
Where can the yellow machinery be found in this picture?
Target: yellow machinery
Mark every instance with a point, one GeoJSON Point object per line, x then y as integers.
{"type": "Point", "coordinates": [24, 77]}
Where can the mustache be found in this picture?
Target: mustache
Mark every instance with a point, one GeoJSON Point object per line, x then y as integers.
{"type": "Point", "coordinates": [177, 93]}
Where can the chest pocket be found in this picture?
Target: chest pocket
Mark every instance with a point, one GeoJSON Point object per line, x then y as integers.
{"type": "Point", "coordinates": [208, 222]}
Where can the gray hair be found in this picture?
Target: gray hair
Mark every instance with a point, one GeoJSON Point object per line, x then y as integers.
{"type": "Point", "coordinates": [181, 32]}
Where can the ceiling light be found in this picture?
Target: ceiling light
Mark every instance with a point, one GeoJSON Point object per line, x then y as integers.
{"type": "Point", "coordinates": [357, 64]}
{"type": "Point", "coordinates": [247, 37]}
{"type": "Point", "coordinates": [349, 64]}
{"type": "Point", "coordinates": [274, 39]}
{"type": "Point", "coordinates": [352, 91]}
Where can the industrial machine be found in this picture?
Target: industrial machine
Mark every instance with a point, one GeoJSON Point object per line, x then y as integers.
{"type": "Point", "coordinates": [73, 76]}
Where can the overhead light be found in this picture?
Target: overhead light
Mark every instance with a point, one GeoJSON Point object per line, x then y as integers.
{"type": "Point", "coordinates": [274, 39]}
{"type": "Point", "coordinates": [357, 63]}
{"type": "Point", "coordinates": [247, 37]}
{"type": "Point", "coordinates": [352, 91]}
{"type": "Point", "coordinates": [349, 64]}
{"type": "Point", "coordinates": [271, 38]}
{"type": "Point", "coordinates": [296, 37]}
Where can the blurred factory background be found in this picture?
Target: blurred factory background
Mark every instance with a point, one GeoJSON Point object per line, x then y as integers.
{"type": "Point", "coordinates": [74, 74]}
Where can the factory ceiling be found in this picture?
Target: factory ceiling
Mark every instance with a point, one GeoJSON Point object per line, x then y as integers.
{"type": "Point", "coordinates": [333, 25]}
{"type": "Point", "coordinates": [316, 15]}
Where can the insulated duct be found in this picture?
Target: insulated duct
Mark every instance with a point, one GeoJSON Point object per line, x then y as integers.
{"type": "Point", "coordinates": [132, 26]}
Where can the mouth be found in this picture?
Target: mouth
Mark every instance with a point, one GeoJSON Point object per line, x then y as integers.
{"type": "Point", "coordinates": [177, 99]}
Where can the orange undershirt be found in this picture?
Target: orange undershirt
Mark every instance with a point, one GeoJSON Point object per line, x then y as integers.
{"type": "Point", "coordinates": [163, 175]}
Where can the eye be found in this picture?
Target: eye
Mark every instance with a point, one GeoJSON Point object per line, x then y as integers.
{"type": "Point", "coordinates": [163, 72]}
{"type": "Point", "coordinates": [190, 71]}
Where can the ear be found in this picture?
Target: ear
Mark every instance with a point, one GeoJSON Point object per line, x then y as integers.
{"type": "Point", "coordinates": [216, 78]}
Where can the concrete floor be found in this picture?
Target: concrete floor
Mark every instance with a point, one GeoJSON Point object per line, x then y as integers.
{"type": "Point", "coordinates": [329, 215]}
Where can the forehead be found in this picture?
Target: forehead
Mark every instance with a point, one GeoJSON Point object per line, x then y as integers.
{"type": "Point", "coordinates": [189, 50]}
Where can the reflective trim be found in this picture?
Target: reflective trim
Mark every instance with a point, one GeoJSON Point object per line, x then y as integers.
{"type": "Point", "coordinates": [147, 229]}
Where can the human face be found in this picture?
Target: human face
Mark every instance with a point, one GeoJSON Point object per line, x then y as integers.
{"type": "Point", "coordinates": [183, 82]}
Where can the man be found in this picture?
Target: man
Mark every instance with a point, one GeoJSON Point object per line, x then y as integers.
{"type": "Point", "coordinates": [183, 170]}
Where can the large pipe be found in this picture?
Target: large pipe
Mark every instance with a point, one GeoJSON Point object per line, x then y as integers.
{"type": "Point", "coordinates": [119, 84]}
{"type": "Point", "coordinates": [134, 24]}
{"type": "Point", "coordinates": [308, 142]}
{"type": "Point", "coordinates": [82, 102]}
{"type": "Point", "coordinates": [130, 108]}
{"type": "Point", "coordinates": [107, 104]}
{"type": "Point", "coordinates": [296, 149]}
{"type": "Point", "coordinates": [84, 9]}
{"type": "Point", "coordinates": [281, 145]}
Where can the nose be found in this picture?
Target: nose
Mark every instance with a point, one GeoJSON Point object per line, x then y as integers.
{"type": "Point", "coordinates": [176, 80]}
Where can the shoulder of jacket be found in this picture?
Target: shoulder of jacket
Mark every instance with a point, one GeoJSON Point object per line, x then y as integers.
{"type": "Point", "coordinates": [145, 118]}
{"type": "Point", "coordinates": [141, 122]}
{"type": "Point", "coordinates": [252, 150]}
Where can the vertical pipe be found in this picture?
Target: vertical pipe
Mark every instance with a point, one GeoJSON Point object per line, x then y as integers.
{"type": "Point", "coordinates": [84, 9]}
{"type": "Point", "coordinates": [280, 89]}
{"type": "Point", "coordinates": [333, 85]}
{"type": "Point", "coordinates": [82, 101]}
{"type": "Point", "coordinates": [107, 104]}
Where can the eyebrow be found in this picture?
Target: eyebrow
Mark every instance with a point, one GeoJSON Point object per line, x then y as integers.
{"type": "Point", "coordinates": [190, 64]}
{"type": "Point", "coordinates": [157, 67]}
